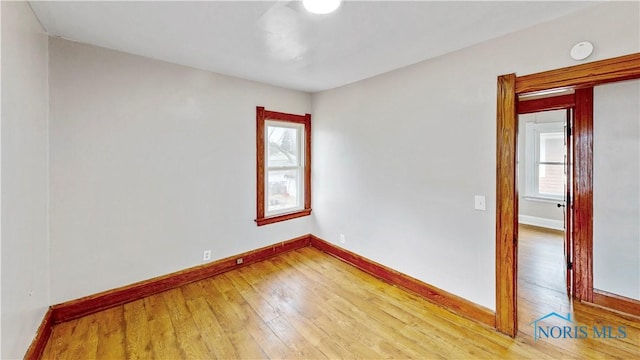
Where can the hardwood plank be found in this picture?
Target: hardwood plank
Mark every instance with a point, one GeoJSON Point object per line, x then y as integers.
{"type": "Point", "coordinates": [242, 341]}
{"type": "Point", "coordinates": [301, 348]}
{"type": "Point", "coordinates": [360, 340]}
{"type": "Point", "coordinates": [187, 335]}
{"type": "Point", "coordinates": [111, 334]}
{"type": "Point", "coordinates": [137, 344]}
{"type": "Point", "coordinates": [286, 302]}
{"type": "Point", "coordinates": [291, 300]}
{"type": "Point", "coordinates": [251, 322]}
{"type": "Point", "coordinates": [162, 336]}
{"type": "Point", "coordinates": [263, 308]}
{"type": "Point", "coordinates": [212, 334]}
{"type": "Point", "coordinates": [60, 339]}
{"type": "Point", "coordinates": [85, 342]}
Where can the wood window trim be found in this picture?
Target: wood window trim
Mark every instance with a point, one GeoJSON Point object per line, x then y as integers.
{"type": "Point", "coordinates": [262, 116]}
{"type": "Point", "coordinates": [508, 88]}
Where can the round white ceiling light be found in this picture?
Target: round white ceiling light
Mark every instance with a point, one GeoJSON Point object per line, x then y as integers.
{"type": "Point", "coordinates": [581, 50]}
{"type": "Point", "coordinates": [321, 7]}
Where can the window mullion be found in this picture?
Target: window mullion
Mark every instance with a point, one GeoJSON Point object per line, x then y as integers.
{"type": "Point", "coordinates": [292, 167]}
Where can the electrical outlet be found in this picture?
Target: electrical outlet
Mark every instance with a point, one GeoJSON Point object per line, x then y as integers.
{"type": "Point", "coordinates": [239, 261]}
{"type": "Point", "coordinates": [206, 256]}
{"type": "Point", "coordinates": [343, 239]}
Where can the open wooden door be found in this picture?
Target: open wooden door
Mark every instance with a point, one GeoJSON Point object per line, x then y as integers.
{"type": "Point", "coordinates": [568, 203]}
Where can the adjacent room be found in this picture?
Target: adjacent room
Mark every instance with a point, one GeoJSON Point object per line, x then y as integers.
{"type": "Point", "coordinates": [277, 179]}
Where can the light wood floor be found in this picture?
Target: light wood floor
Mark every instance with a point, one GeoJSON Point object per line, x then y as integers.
{"type": "Point", "coordinates": [541, 275]}
{"type": "Point", "coordinates": [305, 304]}
{"type": "Point", "coordinates": [542, 289]}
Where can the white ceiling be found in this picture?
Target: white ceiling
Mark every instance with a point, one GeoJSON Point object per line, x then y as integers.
{"type": "Point", "coordinates": [277, 42]}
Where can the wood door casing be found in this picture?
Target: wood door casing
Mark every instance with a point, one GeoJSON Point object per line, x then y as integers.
{"type": "Point", "coordinates": [507, 207]}
{"type": "Point", "coordinates": [509, 86]}
{"type": "Point", "coordinates": [583, 196]}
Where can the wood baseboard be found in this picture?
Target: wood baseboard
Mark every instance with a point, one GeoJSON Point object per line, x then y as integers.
{"type": "Point", "coordinates": [74, 309]}
{"type": "Point", "coordinates": [541, 222]}
{"type": "Point", "coordinates": [453, 303]}
{"type": "Point", "coordinates": [90, 304]}
{"type": "Point", "coordinates": [616, 302]}
{"type": "Point", "coordinates": [42, 337]}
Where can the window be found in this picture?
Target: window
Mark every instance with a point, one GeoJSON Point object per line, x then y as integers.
{"type": "Point", "coordinates": [283, 166]}
{"type": "Point", "coordinates": [545, 160]}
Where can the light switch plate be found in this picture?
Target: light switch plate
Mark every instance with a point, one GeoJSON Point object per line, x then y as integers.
{"type": "Point", "coordinates": [481, 203]}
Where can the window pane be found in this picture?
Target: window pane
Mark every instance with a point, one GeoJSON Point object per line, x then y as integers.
{"type": "Point", "coordinates": [552, 147]}
{"type": "Point", "coordinates": [282, 192]}
{"type": "Point", "coordinates": [282, 147]}
{"type": "Point", "coordinates": [551, 179]}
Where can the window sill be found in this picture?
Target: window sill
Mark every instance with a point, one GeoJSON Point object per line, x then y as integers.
{"type": "Point", "coordinates": [283, 217]}
{"type": "Point", "coordinates": [543, 199]}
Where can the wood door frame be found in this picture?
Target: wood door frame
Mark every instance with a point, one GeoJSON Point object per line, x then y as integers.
{"type": "Point", "coordinates": [508, 88]}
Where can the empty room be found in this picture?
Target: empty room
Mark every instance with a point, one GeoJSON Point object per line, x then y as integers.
{"type": "Point", "coordinates": [320, 179]}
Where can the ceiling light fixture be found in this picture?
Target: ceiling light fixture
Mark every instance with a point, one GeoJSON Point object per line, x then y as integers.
{"type": "Point", "coordinates": [321, 7]}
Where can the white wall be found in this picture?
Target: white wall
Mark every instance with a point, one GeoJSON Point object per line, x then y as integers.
{"type": "Point", "coordinates": [151, 163]}
{"type": "Point", "coordinates": [616, 188]}
{"type": "Point", "coordinates": [25, 182]}
{"type": "Point", "coordinates": [398, 158]}
{"type": "Point", "coordinates": [533, 211]}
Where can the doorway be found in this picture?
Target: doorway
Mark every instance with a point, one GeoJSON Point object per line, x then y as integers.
{"type": "Point", "coordinates": [581, 78]}
{"type": "Point", "coordinates": [544, 186]}
{"type": "Point", "coordinates": [576, 106]}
